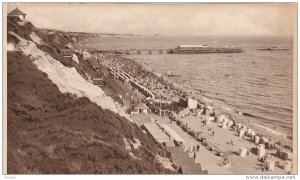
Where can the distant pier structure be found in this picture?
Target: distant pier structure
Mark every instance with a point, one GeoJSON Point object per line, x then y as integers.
{"type": "Point", "coordinates": [132, 51]}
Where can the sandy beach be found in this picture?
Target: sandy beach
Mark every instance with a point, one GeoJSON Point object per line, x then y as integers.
{"type": "Point", "coordinates": [225, 140]}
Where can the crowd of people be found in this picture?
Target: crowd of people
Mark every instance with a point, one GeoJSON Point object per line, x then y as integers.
{"type": "Point", "coordinates": [157, 84]}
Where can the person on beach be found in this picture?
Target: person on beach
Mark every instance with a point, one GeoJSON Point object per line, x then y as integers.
{"type": "Point", "coordinates": [234, 122]}
{"type": "Point", "coordinates": [198, 147]}
{"type": "Point", "coordinates": [194, 155]}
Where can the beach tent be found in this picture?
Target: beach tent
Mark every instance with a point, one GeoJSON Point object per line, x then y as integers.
{"type": "Point", "coordinates": [261, 150]}
{"type": "Point", "coordinates": [269, 164]}
{"type": "Point", "coordinates": [241, 132]}
{"type": "Point", "coordinates": [224, 125]}
{"type": "Point", "coordinates": [192, 104]}
{"type": "Point", "coordinates": [207, 120]}
{"type": "Point", "coordinates": [257, 139]}
{"type": "Point", "coordinates": [243, 152]}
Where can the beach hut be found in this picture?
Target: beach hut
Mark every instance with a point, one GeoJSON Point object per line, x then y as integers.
{"type": "Point", "coordinates": [140, 108]}
{"type": "Point", "coordinates": [192, 104]}
{"type": "Point", "coordinates": [243, 152]}
{"type": "Point", "coordinates": [261, 150]}
{"type": "Point", "coordinates": [98, 81]}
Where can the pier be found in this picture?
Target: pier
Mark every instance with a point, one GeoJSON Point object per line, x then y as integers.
{"type": "Point", "coordinates": [131, 51]}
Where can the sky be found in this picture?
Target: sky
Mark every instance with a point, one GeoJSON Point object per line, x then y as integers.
{"type": "Point", "coordinates": [166, 19]}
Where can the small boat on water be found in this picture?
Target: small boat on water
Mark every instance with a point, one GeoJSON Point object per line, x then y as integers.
{"type": "Point", "coordinates": [199, 49]}
{"type": "Point", "coordinates": [272, 48]}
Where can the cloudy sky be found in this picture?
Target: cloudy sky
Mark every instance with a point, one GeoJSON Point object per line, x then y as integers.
{"type": "Point", "coordinates": [166, 19]}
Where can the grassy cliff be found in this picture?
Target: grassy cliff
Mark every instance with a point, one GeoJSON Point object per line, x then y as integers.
{"type": "Point", "coordinates": [52, 132]}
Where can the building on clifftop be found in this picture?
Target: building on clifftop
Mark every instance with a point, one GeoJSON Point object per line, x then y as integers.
{"type": "Point", "coordinates": [16, 13]}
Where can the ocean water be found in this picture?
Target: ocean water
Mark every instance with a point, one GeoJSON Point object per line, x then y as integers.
{"type": "Point", "coordinates": [257, 83]}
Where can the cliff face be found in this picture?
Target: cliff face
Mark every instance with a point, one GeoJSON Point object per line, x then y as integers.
{"type": "Point", "coordinates": [54, 130]}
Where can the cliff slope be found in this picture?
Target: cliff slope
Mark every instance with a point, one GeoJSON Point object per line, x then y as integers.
{"type": "Point", "coordinates": [55, 131]}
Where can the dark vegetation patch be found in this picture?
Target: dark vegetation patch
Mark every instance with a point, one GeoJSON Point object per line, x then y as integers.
{"type": "Point", "coordinates": [51, 132]}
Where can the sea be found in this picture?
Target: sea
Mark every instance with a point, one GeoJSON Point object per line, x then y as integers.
{"type": "Point", "coordinates": [258, 85]}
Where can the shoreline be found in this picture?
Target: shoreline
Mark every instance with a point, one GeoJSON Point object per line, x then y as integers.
{"type": "Point", "coordinates": [239, 116]}
{"type": "Point", "coordinates": [259, 128]}
{"type": "Point", "coordinates": [149, 77]}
